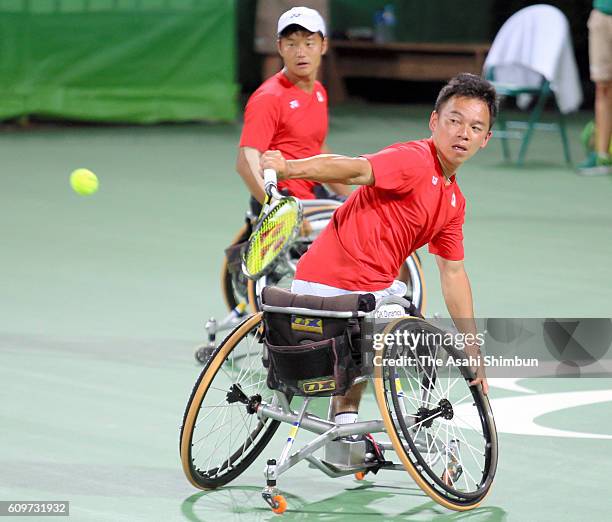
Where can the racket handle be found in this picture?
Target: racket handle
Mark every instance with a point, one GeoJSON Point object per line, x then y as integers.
{"type": "Point", "coordinates": [269, 181]}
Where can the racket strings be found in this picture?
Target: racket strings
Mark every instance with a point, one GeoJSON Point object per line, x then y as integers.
{"type": "Point", "coordinates": [274, 233]}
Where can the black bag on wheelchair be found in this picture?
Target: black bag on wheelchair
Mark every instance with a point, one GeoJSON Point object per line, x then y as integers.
{"type": "Point", "coordinates": [234, 252]}
{"type": "Point", "coordinates": [233, 255]}
{"type": "Point", "coordinates": [312, 355]}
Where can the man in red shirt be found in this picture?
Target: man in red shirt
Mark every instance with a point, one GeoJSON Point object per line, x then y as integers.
{"type": "Point", "coordinates": [288, 112]}
{"type": "Point", "coordinates": [409, 197]}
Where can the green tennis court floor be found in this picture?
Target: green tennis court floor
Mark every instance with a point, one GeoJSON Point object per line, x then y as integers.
{"type": "Point", "coordinates": [104, 299]}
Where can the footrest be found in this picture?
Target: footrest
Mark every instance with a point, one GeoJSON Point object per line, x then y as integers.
{"type": "Point", "coordinates": [340, 468]}
{"type": "Point", "coordinates": [345, 453]}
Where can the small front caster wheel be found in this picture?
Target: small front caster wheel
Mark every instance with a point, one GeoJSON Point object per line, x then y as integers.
{"type": "Point", "coordinates": [280, 504]}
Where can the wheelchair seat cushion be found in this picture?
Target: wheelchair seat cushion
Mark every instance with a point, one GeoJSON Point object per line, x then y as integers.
{"type": "Point", "coordinates": [342, 303]}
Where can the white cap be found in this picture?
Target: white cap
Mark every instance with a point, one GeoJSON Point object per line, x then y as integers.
{"type": "Point", "coordinates": [309, 19]}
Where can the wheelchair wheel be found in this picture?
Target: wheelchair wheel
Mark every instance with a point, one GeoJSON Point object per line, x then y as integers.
{"type": "Point", "coordinates": [441, 428]}
{"type": "Point", "coordinates": [412, 273]}
{"type": "Point", "coordinates": [221, 435]}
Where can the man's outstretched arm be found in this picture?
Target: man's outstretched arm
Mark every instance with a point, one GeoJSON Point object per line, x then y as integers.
{"type": "Point", "coordinates": [458, 297]}
{"type": "Point", "coordinates": [337, 188]}
{"type": "Point", "coordinates": [324, 168]}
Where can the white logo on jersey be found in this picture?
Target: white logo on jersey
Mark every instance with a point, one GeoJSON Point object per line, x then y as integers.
{"type": "Point", "coordinates": [320, 96]}
{"type": "Point", "coordinates": [294, 104]}
{"type": "Point", "coordinates": [434, 180]}
{"type": "Point", "coordinates": [454, 200]}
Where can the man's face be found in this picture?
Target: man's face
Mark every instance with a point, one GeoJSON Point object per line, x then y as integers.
{"type": "Point", "coordinates": [460, 128]}
{"type": "Point", "coordinates": [301, 52]}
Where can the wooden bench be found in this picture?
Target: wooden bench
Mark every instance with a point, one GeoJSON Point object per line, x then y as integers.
{"type": "Point", "coordinates": [399, 61]}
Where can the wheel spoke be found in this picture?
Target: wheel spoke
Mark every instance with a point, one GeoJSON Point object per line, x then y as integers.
{"type": "Point", "coordinates": [212, 410]}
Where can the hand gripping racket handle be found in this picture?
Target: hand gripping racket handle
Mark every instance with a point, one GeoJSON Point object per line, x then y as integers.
{"type": "Point", "coordinates": [270, 183]}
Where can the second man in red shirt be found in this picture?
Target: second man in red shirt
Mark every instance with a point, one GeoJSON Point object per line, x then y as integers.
{"type": "Point", "coordinates": [288, 112]}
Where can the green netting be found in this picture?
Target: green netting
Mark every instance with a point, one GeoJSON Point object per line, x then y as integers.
{"type": "Point", "coordinates": [136, 61]}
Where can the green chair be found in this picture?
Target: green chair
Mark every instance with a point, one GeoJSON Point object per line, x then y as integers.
{"type": "Point", "coordinates": [532, 57]}
{"type": "Point", "coordinates": [523, 130]}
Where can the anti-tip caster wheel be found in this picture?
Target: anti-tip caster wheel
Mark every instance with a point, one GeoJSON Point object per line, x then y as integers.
{"type": "Point", "coordinates": [280, 504]}
{"type": "Point", "coordinates": [360, 475]}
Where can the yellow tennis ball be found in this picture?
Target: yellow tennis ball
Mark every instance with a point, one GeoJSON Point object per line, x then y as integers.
{"type": "Point", "coordinates": [84, 182]}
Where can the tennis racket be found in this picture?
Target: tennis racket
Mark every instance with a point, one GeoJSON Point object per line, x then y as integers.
{"type": "Point", "coordinates": [277, 227]}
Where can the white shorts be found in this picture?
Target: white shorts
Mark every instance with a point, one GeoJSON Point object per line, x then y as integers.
{"type": "Point", "coordinates": [298, 286]}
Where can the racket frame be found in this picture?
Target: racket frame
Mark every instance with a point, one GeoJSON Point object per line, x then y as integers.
{"type": "Point", "coordinates": [273, 199]}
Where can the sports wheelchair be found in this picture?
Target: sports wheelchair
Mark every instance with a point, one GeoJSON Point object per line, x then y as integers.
{"type": "Point", "coordinates": [243, 296]}
{"type": "Point", "coordinates": [440, 430]}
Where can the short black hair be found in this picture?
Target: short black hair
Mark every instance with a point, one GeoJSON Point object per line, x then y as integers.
{"type": "Point", "coordinates": [470, 86]}
{"type": "Point", "coordinates": [295, 28]}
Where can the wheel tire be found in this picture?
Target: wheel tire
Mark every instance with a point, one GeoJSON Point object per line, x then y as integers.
{"type": "Point", "coordinates": [412, 272]}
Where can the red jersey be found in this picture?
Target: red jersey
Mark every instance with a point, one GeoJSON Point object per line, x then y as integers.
{"type": "Point", "coordinates": [379, 226]}
{"type": "Point", "coordinates": [281, 116]}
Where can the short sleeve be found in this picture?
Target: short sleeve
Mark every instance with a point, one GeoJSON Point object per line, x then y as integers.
{"type": "Point", "coordinates": [448, 243]}
{"type": "Point", "coordinates": [398, 167]}
{"type": "Point", "coordinates": [261, 118]}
